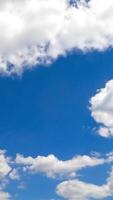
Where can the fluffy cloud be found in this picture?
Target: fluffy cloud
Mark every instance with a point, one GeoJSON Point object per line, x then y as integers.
{"type": "Point", "coordinates": [12, 169]}
{"type": "Point", "coordinates": [8, 172]}
{"type": "Point", "coordinates": [4, 165]}
{"type": "Point", "coordinates": [38, 31]}
{"type": "Point", "coordinates": [75, 189]}
{"type": "Point", "coordinates": [5, 169]}
{"type": "Point", "coordinates": [51, 166]}
{"type": "Point", "coordinates": [102, 109]}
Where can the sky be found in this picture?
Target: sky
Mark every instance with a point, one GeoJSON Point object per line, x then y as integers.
{"type": "Point", "coordinates": [56, 100]}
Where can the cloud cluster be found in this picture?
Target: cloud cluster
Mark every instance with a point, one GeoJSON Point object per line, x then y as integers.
{"type": "Point", "coordinates": [102, 109]}
{"type": "Point", "coordinates": [38, 31]}
{"type": "Point", "coordinates": [73, 188]}
{"type": "Point", "coordinates": [76, 189]}
{"type": "Point", "coordinates": [12, 169]}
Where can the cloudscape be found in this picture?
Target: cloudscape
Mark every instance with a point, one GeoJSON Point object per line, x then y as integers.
{"type": "Point", "coordinates": [56, 100]}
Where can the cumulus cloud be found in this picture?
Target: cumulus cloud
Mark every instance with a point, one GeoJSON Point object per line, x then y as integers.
{"type": "Point", "coordinates": [5, 169]}
{"type": "Point", "coordinates": [12, 169]}
{"type": "Point", "coordinates": [75, 189]}
{"type": "Point", "coordinates": [102, 109]}
{"type": "Point", "coordinates": [38, 31]}
{"type": "Point", "coordinates": [4, 165]}
{"type": "Point", "coordinates": [8, 172]}
{"type": "Point", "coordinates": [51, 166]}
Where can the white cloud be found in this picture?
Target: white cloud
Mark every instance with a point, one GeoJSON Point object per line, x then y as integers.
{"type": "Point", "coordinates": [51, 166]}
{"type": "Point", "coordinates": [12, 169]}
{"type": "Point", "coordinates": [4, 165]}
{"type": "Point", "coordinates": [38, 31]}
{"type": "Point", "coordinates": [78, 190]}
{"type": "Point", "coordinates": [5, 169]}
{"type": "Point", "coordinates": [102, 109]}
{"type": "Point", "coordinates": [4, 195]}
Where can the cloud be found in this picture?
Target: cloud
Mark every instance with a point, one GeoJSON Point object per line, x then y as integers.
{"type": "Point", "coordinates": [4, 165]}
{"type": "Point", "coordinates": [15, 169]}
{"type": "Point", "coordinates": [12, 169]}
{"type": "Point", "coordinates": [14, 175]}
{"type": "Point", "coordinates": [52, 167]}
{"type": "Point", "coordinates": [8, 173]}
{"type": "Point", "coordinates": [75, 189]}
{"type": "Point", "coordinates": [102, 109]}
{"type": "Point", "coordinates": [36, 32]}
{"type": "Point", "coordinates": [4, 195]}
{"type": "Point", "coordinates": [5, 169]}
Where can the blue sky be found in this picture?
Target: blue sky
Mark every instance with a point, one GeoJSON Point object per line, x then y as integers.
{"type": "Point", "coordinates": [56, 100]}
{"type": "Point", "coordinates": [46, 111]}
